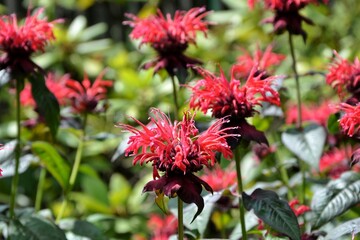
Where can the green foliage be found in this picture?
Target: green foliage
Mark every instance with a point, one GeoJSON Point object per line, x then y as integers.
{"type": "Point", "coordinates": [273, 211]}
{"type": "Point", "coordinates": [336, 198]}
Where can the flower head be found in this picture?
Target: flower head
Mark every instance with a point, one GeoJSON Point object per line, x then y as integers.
{"type": "Point", "coordinates": [233, 99]}
{"type": "Point", "coordinates": [85, 95]}
{"type": "Point", "coordinates": [169, 37]}
{"type": "Point", "coordinates": [344, 75]}
{"type": "Point", "coordinates": [18, 42]}
{"type": "Point", "coordinates": [315, 113]}
{"type": "Point", "coordinates": [350, 122]}
{"type": "Point", "coordinates": [178, 150]}
{"type": "Point", "coordinates": [335, 162]}
{"type": "Point", "coordinates": [55, 84]}
{"type": "Point", "coordinates": [263, 59]}
{"type": "Point", "coordinates": [219, 178]}
{"type": "Point", "coordinates": [287, 16]}
{"type": "Point", "coordinates": [162, 227]}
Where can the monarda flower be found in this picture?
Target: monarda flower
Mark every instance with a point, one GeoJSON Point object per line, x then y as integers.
{"type": "Point", "coordinates": [344, 76]}
{"type": "Point", "coordinates": [178, 150]}
{"type": "Point", "coordinates": [314, 113]}
{"type": "Point", "coordinates": [264, 59]}
{"type": "Point", "coordinates": [287, 16]}
{"type": "Point", "coordinates": [162, 227]}
{"type": "Point", "coordinates": [19, 42]}
{"type": "Point", "coordinates": [169, 37]}
{"type": "Point", "coordinates": [85, 95]}
{"type": "Point", "coordinates": [350, 122]}
{"type": "Point", "coordinates": [55, 84]}
{"type": "Point", "coordinates": [234, 100]}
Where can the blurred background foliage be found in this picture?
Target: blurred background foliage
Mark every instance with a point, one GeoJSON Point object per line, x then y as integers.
{"type": "Point", "coordinates": [93, 38]}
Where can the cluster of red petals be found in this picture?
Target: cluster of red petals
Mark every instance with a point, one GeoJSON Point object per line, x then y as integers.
{"type": "Point", "coordinates": [314, 113]}
{"type": "Point", "coordinates": [163, 32]}
{"type": "Point", "coordinates": [162, 227]}
{"type": "Point", "coordinates": [85, 95]}
{"type": "Point", "coordinates": [55, 84]}
{"type": "Point", "coordinates": [264, 59]}
{"type": "Point", "coordinates": [297, 208]}
{"type": "Point", "coordinates": [350, 122]}
{"type": "Point", "coordinates": [30, 37]}
{"type": "Point", "coordinates": [176, 147]}
{"type": "Point", "coordinates": [344, 75]}
{"type": "Point", "coordinates": [219, 178]}
{"type": "Point", "coordinates": [336, 161]}
{"type": "Point", "coordinates": [231, 98]}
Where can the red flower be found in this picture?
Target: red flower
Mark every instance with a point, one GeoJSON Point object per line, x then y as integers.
{"type": "Point", "coordinates": [318, 114]}
{"type": "Point", "coordinates": [344, 75]}
{"type": "Point", "coordinates": [287, 16]}
{"type": "Point", "coordinates": [335, 162]}
{"type": "Point", "coordinates": [55, 84]}
{"type": "Point", "coordinates": [350, 122]}
{"type": "Point", "coordinates": [178, 150]}
{"type": "Point", "coordinates": [85, 95]}
{"type": "Point", "coordinates": [226, 98]}
{"type": "Point", "coordinates": [298, 209]}
{"type": "Point", "coordinates": [20, 41]}
{"type": "Point", "coordinates": [162, 227]}
{"type": "Point", "coordinates": [169, 37]}
{"type": "Point", "coordinates": [219, 178]}
{"type": "Point", "coordinates": [264, 60]}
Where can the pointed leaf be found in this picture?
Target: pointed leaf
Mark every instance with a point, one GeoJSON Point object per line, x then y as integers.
{"type": "Point", "coordinates": [273, 211]}
{"type": "Point", "coordinates": [307, 144]}
{"type": "Point", "coordinates": [82, 229]}
{"type": "Point", "coordinates": [161, 201]}
{"type": "Point", "coordinates": [349, 227]}
{"type": "Point", "coordinates": [52, 161]}
{"type": "Point", "coordinates": [337, 197]}
{"type": "Point", "coordinates": [46, 102]}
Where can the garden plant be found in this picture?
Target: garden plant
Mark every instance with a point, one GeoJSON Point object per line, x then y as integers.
{"type": "Point", "coordinates": [232, 119]}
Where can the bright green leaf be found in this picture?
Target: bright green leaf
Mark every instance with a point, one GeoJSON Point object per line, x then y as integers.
{"type": "Point", "coordinates": [52, 161]}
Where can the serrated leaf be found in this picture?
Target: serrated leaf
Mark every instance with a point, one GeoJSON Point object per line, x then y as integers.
{"type": "Point", "coordinates": [349, 227]}
{"type": "Point", "coordinates": [273, 211]}
{"type": "Point", "coordinates": [307, 143]}
{"type": "Point", "coordinates": [35, 228]}
{"type": "Point", "coordinates": [336, 198]}
{"type": "Point", "coordinates": [46, 102]}
{"type": "Point", "coordinates": [52, 161]}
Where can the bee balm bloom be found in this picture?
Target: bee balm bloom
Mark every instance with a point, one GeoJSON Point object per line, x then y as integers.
{"type": "Point", "coordinates": [169, 37]}
{"type": "Point", "coordinates": [234, 100]}
{"type": "Point", "coordinates": [178, 150]}
{"type": "Point", "coordinates": [19, 42]}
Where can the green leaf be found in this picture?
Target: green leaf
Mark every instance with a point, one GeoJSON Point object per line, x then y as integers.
{"type": "Point", "coordinates": [273, 211]}
{"type": "Point", "coordinates": [161, 201]}
{"type": "Point", "coordinates": [52, 161]}
{"type": "Point", "coordinates": [46, 102]}
{"type": "Point", "coordinates": [120, 190]}
{"type": "Point", "coordinates": [336, 198]}
{"type": "Point", "coordinates": [349, 227]}
{"type": "Point", "coordinates": [82, 229]}
{"type": "Point", "coordinates": [35, 228]}
{"type": "Point", "coordinates": [96, 188]}
{"type": "Point", "coordinates": [333, 124]}
{"type": "Point", "coordinates": [307, 144]}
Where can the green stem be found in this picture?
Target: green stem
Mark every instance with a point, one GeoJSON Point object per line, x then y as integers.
{"type": "Point", "coordinates": [74, 170]}
{"type": "Point", "coordinates": [296, 75]}
{"type": "Point", "coordinates": [180, 220]}
{"type": "Point", "coordinates": [15, 180]}
{"type": "Point", "coordinates": [240, 189]}
{"type": "Point", "coordinates": [40, 189]}
{"type": "Point", "coordinates": [175, 95]}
